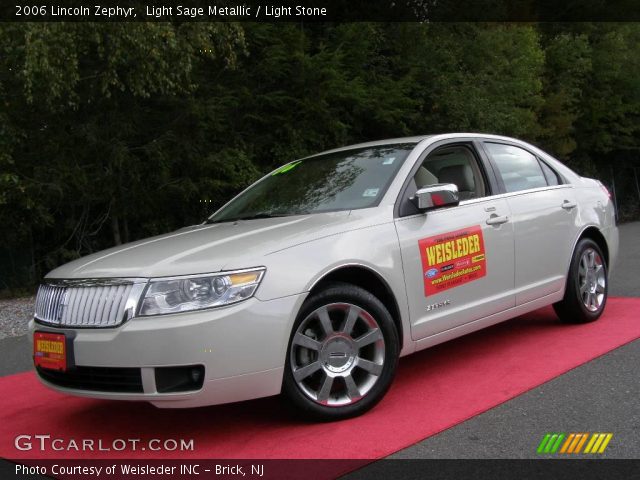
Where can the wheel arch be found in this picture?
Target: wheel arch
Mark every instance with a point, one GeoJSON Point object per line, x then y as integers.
{"type": "Point", "coordinates": [371, 281]}
{"type": "Point", "coordinates": [572, 308]}
{"type": "Point", "coordinates": [592, 232]}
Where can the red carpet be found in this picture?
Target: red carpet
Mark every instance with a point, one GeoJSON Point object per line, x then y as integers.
{"type": "Point", "coordinates": [434, 390]}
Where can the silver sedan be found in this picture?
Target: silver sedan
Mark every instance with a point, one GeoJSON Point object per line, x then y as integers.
{"type": "Point", "coordinates": [319, 276]}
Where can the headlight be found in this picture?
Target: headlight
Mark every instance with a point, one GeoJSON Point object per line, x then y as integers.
{"type": "Point", "coordinates": [183, 294]}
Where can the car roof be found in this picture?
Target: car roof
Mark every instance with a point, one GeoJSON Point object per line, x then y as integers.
{"type": "Point", "coordinates": [417, 139]}
{"type": "Point", "coordinates": [569, 174]}
{"type": "Point", "coordinates": [376, 143]}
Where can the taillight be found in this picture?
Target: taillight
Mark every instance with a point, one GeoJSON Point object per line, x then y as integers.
{"type": "Point", "coordinates": [605, 189]}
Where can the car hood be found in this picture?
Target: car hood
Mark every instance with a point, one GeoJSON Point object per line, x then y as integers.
{"type": "Point", "coordinates": [209, 248]}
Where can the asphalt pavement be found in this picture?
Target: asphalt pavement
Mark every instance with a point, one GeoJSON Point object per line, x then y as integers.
{"type": "Point", "coordinates": [15, 355]}
{"type": "Point", "coordinates": [599, 396]}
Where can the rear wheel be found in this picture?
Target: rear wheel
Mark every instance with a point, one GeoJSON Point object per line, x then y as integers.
{"type": "Point", "coordinates": [342, 354]}
{"type": "Point", "coordinates": [586, 293]}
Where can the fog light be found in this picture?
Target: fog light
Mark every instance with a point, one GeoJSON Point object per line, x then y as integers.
{"type": "Point", "coordinates": [179, 379]}
{"type": "Point", "coordinates": [196, 374]}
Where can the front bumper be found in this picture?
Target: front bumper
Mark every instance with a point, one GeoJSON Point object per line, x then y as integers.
{"type": "Point", "coordinates": [242, 348]}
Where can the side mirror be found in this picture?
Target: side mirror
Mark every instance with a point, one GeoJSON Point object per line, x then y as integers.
{"type": "Point", "coordinates": [436, 196]}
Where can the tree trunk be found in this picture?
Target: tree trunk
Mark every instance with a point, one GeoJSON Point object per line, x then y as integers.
{"type": "Point", "coordinates": [32, 271]}
{"type": "Point", "coordinates": [115, 228]}
{"type": "Point", "coordinates": [125, 229]}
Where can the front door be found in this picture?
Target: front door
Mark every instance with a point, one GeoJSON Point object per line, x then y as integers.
{"type": "Point", "coordinates": [458, 261]}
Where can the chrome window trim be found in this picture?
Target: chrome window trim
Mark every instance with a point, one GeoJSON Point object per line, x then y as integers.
{"type": "Point", "coordinates": [499, 196]}
{"type": "Point", "coordinates": [519, 192]}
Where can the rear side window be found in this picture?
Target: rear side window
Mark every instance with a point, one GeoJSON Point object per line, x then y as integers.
{"type": "Point", "coordinates": [519, 169]}
{"type": "Point", "coordinates": [550, 174]}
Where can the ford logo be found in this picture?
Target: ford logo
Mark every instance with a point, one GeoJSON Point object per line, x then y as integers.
{"type": "Point", "coordinates": [431, 273]}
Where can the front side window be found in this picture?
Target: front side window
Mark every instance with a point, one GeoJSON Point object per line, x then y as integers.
{"type": "Point", "coordinates": [345, 180]}
{"type": "Point", "coordinates": [519, 169]}
{"type": "Point", "coordinates": [455, 164]}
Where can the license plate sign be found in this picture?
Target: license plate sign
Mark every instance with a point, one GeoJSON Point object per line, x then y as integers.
{"type": "Point", "coordinates": [50, 351]}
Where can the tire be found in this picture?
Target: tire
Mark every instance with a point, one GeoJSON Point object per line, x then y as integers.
{"type": "Point", "coordinates": [342, 354]}
{"type": "Point", "coordinates": [587, 285]}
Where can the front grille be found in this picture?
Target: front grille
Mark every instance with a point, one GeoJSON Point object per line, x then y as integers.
{"type": "Point", "coordinates": [86, 303]}
{"type": "Point", "coordinates": [96, 379]}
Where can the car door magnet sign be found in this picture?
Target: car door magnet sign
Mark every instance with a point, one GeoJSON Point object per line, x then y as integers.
{"type": "Point", "coordinates": [452, 259]}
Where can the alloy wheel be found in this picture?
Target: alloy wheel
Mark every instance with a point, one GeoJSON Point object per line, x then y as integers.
{"type": "Point", "coordinates": [591, 280]}
{"type": "Point", "coordinates": [337, 354]}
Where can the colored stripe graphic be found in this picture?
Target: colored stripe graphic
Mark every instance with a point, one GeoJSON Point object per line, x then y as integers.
{"type": "Point", "coordinates": [557, 443]}
{"type": "Point", "coordinates": [576, 439]}
{"type": "Point", "coordinates": [543, 443]}
{"type": "Point", "coordinates": [567, 443]}
{"type": "Point", "coordinates": [572, 443]}
{"type": "Point", "coordinates": [581, 442]}
{"type": "Point", "coordinates": [598, 443]}
{"type": "Point", "coordinates": [550, 443]}
{"type": "Point", "coordinates": [591, 442]}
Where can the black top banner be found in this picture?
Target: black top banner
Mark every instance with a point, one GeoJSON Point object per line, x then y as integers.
{"type": "Point", "coordinates": [320, 11]}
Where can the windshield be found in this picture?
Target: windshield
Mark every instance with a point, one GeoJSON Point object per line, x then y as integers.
{"type": "Point", "coordinates": [344, 180]}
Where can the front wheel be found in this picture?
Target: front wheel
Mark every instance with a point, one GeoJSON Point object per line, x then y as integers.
{"type": "Point", "coordinates": [586, 292]}
{"type": "Point", "coordinates": [342, 354]}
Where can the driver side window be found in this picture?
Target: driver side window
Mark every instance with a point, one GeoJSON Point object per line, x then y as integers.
{"type": "Point", "coordinates": [452, 164]}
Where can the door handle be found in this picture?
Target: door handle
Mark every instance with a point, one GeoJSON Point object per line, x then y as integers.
{"type": "Point", "coordinates": [496, 220]}
{"type": "Point", "coordinates": [568, 205]}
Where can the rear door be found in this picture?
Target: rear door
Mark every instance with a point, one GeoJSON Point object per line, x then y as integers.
{"type": "Point", "coordinates": [458, 261]}
{"type": "Point", "coordinates": [544, 218]}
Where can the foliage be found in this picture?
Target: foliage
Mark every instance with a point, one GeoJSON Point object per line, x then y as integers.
{"type": "Point", "coordinates": [112, 132]}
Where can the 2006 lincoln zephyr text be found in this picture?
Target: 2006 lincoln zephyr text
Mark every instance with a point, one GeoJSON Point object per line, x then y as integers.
{"type": "Point", "coordinates": [318, 277]}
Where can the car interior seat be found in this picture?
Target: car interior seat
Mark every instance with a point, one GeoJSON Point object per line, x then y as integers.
{"type": "Point", "coordinates": [462, 176]}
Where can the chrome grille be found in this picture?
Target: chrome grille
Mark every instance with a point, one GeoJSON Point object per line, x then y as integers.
{"type": "Point", "coordinates": [86, 303]}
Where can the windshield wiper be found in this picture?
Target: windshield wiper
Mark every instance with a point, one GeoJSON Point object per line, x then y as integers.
{"type": "Point", "coordinates": [248, 217]}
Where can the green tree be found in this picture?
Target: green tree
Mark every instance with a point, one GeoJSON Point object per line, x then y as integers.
{"type": "Point", "coordinates": [567, 71]}
{"type": "Point", "coordinates": [113, 132]}
{"type": "Point", "coordinates": [90, 123]}
{"type": "Point", "coordinates": [476, 77]}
